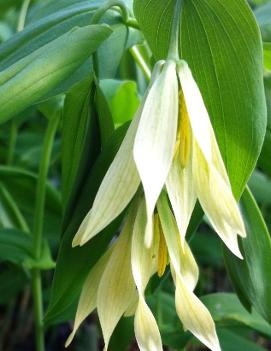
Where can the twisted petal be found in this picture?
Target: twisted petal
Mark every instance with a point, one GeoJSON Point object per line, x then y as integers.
{"type": "Point", "coordinates": [88, 298]}
{"type": "Point", "coordinates": [193, 314]}
{"type": "Point", "coordinates": [143, 262]}
{"type": "Point", "coordinates": [155, 138]}
{"type": "Point", "coordinates": [116, 190]}
{"type": "Point", "coordinates": [182, 195]}
{"type": "Point", "coordinates": [217, 201]}
{"type": "Point", "coordinates": [117, 288]}
{"type": "Point", "coordinates": [146, 329]}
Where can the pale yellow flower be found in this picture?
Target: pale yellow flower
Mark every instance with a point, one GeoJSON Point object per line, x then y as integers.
{"type": "Point", "coordinates": [169, 145]}
{"type": "Point", "coordinates": [116, 284]}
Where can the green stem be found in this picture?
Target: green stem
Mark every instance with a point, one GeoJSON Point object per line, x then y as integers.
{"type": "Point", "coordinates": [38, 228]}
{"type": "Point", "coordinates": [15, 210]}
{"type": "Point", "coordinates": [22, 16]}
{"type": "Point", "coordinates": [141, 62]}
{"type": "Point", "coordinates": [108, 5]}
{"type": "Point", "coordinates": [173, 52]}
{"type": "Point", "coordinates": [12, 142]}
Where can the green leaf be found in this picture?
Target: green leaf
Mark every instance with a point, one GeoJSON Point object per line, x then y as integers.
{"type": "Point", "coordinates": [227, 310]}
{"type": "Point", "coordinates": [73, 264]}
{"type": "Point", "coordinates": [50, 7]}
{"type": "Point", "coordinates": [222, 45]}
{"type": "Point", "coordinates": [104, 114]}
{"type": "Point", "coordinates": [260, 186]}
{"type": "Point", "coordinates": [17, 247]}
{"type": "Point", "coordinates": [123, 99]}
{"type": "Point", "coordinates": [232, 341]}
{"type": "Point", "coordinates": [267, 57]}
{"type": "Point", "coordinates": [19, 182]}
{"type": "Point", "coordinates": [264, 160]}
{"type": "Point", "coordinates": [251, 277]}
{"type": "Point", "coordinates": [43, 31]}
{"type": "Point", "coordinates": [75, 134]}
{"type": "Point", "coordinates": [29, 79]}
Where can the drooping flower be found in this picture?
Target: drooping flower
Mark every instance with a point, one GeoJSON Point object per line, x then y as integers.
{"type": "Point", "coordinates": [169, 143]}
{"type": "Point", "coordinates": [116, 284]}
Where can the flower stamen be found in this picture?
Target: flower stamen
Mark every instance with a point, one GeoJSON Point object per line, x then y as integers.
{"type": "Point", "coordinates": [183, 142]}
{"type": "Point", "coordinates": [162, 250]}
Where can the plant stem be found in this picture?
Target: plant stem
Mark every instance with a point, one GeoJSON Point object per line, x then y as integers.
{"type": "Point", "coordinates": [141, 62]}
{"type": "Point", "coordinates": [38, 228]}
{"type": "Point", "coordinates": [173, 52]}
{"type": "Point", "coordinates": [108, 5]}
{"type": "Point", "coordinates": [22, 16]}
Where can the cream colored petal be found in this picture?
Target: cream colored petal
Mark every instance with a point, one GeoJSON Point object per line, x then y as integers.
{"type": "Point", "coordinates": [116, 190]}
{"type": "Point", "coordinates": [117, 285]}
{"type": "Point", "coordinates": [181, 259]}
{"type": "Point", "coordinates": [155, 138]}
{"type": "Point", "coordinates": [131, 310]}
{"type": "Point", "coordinates": [119, 184]}
{"type": "Point", "coordinates": [88, 298]}
{"type": "Point", "coordinates": [181, 192]}
{"type": "Point", "coordinates": [144, 263]}
{"type": "Point", "coordinates": [199, 119]}
{"type": "Point", "coordinates": [195, 316]}
{"type": "Point", "coordinates": [217, 201]}
{"type": "Point", "coordinates": [146, 329]}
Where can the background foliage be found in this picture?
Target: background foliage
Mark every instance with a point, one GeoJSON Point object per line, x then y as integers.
{"type": "Point", "coordinates": [75, 85]}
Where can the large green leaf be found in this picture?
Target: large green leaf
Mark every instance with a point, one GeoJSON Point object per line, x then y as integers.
{"type": "Point", "coordinates": [44, 30]}
{"type": "Point", "coordinates": [76, 121]}
{"type": "Point", "coordinates": [29, 79]}
{"type": "Point", "coordinates": [221, 42]}
{"type": "Point", "coordinates": [251, 277]}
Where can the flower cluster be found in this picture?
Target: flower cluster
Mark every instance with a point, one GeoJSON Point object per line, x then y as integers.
{"type": "Point", "coordinates": [171, 149]}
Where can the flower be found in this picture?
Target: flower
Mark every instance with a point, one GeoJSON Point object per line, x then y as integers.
{"type": "Point", "coordinates": [171, 143]}
{"type": "Point", "coordinates": [116, 284]}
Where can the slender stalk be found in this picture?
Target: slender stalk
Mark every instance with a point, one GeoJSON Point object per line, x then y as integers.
{"type": "Point", "coordinates": [15, 209]}
{"type": "Point", "coordinates": [173, 52]}
{"type": "Point", "coordinates": [141, 62]}
{"type": "Point", "coordinates": [108, 5]}
{"type": "Point", "coordinates": [22, 16]}
{"type": "Point", "coordinates": [38, 229]}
